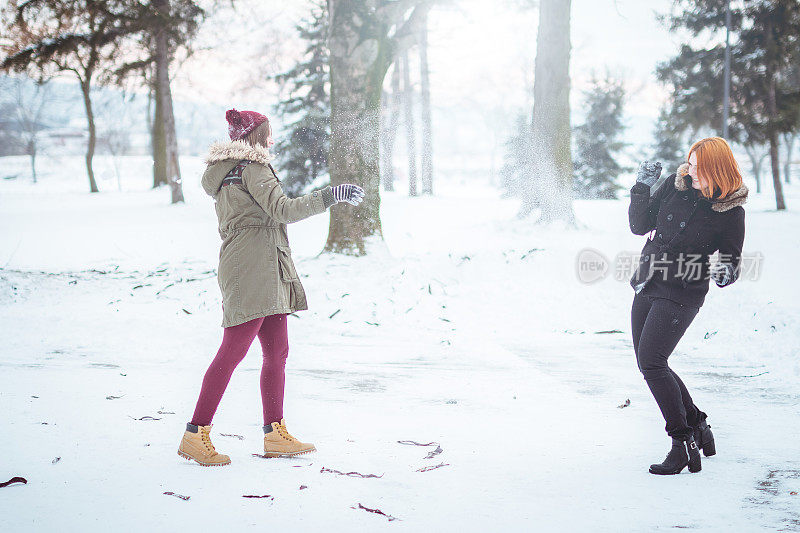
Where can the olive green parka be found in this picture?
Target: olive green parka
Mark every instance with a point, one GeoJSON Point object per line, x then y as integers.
{"type": "Point", "coordinates": [256, 274]}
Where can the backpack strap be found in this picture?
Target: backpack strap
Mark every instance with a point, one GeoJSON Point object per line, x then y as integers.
{"type": "Point", "coordinates": [235, 174]}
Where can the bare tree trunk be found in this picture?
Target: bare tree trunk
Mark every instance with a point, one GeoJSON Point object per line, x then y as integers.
{"type": "Point", "coordinates": [788, 139]}
{"type": "Point", "coordinates": [551, 137]}
{"type": "Point", "coordinates": [158, 143]}
{"type": "Point", "coordinates": [149, 111]}
{"type": "Point", "coordinates": [361, 53]}
{"type": "Point", "coordinates": [354, 159]}
{"type": "Point", "coordinates": [425, 94]}
{"type": "Point", "coordinates": [28, 112]}
{"type": "Point", "coordinates": [780, 204]}
{"type": "Point", "coordinates": [164, 96]}
{"type": "Point", "coordinates": [32, 154]}
{"type": "Point", "coordinates": [411, 134]}
{"type": "Point", "coordinates": [356, 82]}
{"type": "Point", "coordinates": [391, 130]}
{"type": "Point", "coordinates": [772, 108]}
{"type": "Point", "coordinates": [86, 87]}
{"type": "Point", "coordinates": [756, 161]}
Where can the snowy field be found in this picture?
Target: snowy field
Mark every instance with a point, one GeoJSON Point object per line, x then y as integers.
{"type": "Point", "coordinates": [467, 328]}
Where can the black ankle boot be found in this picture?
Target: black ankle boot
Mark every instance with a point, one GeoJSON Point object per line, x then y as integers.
{"type": "Point", "coordinates": [705, 439]}
{"type": "Point", "coordinates": [694, 455]}
{"type": "Point", "coordinates": [676, 460]}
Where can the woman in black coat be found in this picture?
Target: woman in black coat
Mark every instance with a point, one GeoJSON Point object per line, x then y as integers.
{"type": "Point", "coordinates": [694, 213]}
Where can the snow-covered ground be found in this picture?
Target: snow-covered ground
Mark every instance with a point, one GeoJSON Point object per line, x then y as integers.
{"type": "Point", "coordinates": [468, 328]}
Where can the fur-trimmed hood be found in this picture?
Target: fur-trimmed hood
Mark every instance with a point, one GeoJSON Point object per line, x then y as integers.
{"type": "Point", "coordinates": [735, 198]}
{"type": "Point", "coordinates": [229, 153]}
{"type": "Point", "coordinates": [237, 150]}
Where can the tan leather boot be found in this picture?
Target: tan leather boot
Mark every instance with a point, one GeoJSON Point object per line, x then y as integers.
{"type": "Point", "coordinates": [196, 445]}
{"type": "Point", "coordinates": [278, 442]}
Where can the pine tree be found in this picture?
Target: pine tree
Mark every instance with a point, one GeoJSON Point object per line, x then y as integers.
{"type": "Point", "coordinates": [302, 155]}
{"type": "Point", "coordinates": [764, 101]}
{"type": "Point", "coordinates": [598, 140]}
{"type": "Point", "coordinates": [669, 147]}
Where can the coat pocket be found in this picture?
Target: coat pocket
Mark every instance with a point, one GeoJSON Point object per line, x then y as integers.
{"type": "Point", "coordinates": [285, 264]}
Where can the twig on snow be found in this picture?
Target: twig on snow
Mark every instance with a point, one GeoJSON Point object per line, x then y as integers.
{"type": "Point", "coordinates": [350, 474]}
{"type": "Point", "coordinates": [376, 511]}
{"type": "Point", "coordinates": [15, 479]}
{"type": "Point", "coordinates": [756, 375]}
{"type": "Point", "coordinates": [434, 453]}
{"type": "Point", "coordinates": [181, 496]}
{"type": "Point", "coordinates": [165, 288]}
{"type": "Point", "coordinates": [415, 443]}
{"type": "Point", "coordinates": [430, 455]}
{"type": "Point", "coordinates": [433, 467]}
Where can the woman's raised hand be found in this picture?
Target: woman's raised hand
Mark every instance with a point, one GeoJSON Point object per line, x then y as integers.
{"type": "Point", "coordinates": [347, 192]}
{"type": "Point", "coordinates": [648, 173]}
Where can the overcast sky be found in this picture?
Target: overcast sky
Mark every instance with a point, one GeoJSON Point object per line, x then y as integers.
{"type": "Point", "coordinates": [481, 54]}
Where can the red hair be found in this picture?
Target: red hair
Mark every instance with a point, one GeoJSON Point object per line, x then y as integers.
{"type": "Point", "coordinates": [717, 166]}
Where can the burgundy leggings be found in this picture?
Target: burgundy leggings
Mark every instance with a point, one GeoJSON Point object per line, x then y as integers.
{"type": "Point", "coordinates": [236, 340]}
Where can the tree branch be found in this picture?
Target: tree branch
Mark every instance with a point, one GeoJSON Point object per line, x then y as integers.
{"type": "Point", "coordinates": [406, 33]}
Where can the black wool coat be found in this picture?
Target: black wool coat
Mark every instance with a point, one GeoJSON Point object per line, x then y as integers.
{"type": "Point", "coordinates": [686, 229]}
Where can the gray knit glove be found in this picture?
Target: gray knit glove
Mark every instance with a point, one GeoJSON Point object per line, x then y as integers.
{"type": "Point", "coordinates": [648, 173]}
{"type": "Point", "coordinates": [721, 273]}
{"type": "Point", "coordinates": [352, 194]}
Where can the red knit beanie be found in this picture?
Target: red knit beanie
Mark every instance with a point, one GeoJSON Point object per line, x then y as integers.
{"type": "Point", "coordinates": [241, 123]}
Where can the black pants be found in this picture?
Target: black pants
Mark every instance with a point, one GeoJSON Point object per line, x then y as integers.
{"type": "Point", "coordinates": [657, 325]}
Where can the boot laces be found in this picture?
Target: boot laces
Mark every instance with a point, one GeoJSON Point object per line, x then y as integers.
{"type": "Point", "coordinates": [206, 438]}
{"type": "Point", "coordinates": [285, 433]}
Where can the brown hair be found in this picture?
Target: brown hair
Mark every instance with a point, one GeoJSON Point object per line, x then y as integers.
{"type": "Point", "coordinates": [259, 136]}
{"type": "Point", "coordinates": [717, 166]}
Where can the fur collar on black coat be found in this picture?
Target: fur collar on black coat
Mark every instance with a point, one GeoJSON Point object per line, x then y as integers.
{"type": "Point", "coordinates": [683, 182]}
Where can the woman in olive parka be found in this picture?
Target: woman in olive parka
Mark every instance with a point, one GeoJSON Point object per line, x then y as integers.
{"type": "Point", "coordinates": [257, 278]}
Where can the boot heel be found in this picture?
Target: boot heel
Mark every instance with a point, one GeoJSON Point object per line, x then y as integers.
{"type": "Point", "coordinates": [709, 448]}
{"type": "Point", "coordinates": [705, 438]}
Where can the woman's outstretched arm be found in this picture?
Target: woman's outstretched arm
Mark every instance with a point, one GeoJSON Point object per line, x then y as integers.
{"type": "Point", "coordinates": [262, 183]}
